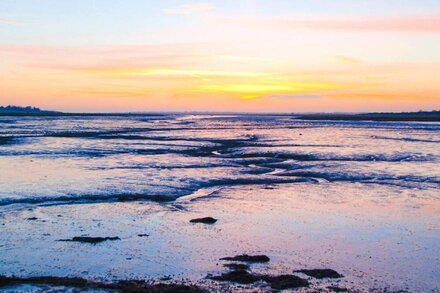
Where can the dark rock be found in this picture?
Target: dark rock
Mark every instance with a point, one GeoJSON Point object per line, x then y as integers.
{"type": "Point", "coordinates": [286, 282]}
{"type": "Point", "coordinates": [238, 276]}
{"type": "Point", "coordinates": [321, 273]}
{"type": "Point", "coordinates": [142, 286]}
{"type": "Point", "coordinates": [236, 266]}
{"type": "Point", "coordinates": [92, 240]}
{"type": "Point", "coordinates": [206, 220]}
{"type": "Point", "coordinates": [248, 258]}
{"type": "Point", "coordinates": [32, 219]}
{"type": "Point", "coordinates": [143, 235]}
{"type": "Point", "coordinates": [276, 282]}
{"type": "Point", "coordinates": [121, 286]}
{"type": "Point", "coordinates": [55, 281]}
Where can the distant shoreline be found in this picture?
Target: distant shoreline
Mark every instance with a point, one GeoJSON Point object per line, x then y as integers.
{"type": "Point", "coordinates": [62, 114]}
{"type": "Point", "coordinates": [421, 116]}
{"type": "Point", "coordinates": [433, 116]}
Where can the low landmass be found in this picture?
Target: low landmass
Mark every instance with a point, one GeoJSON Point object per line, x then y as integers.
{"type": "Point", "coordinates": [34, 111]}
{"type": "Point", "coordinates": [421, 116]}
{"type": "Point", "coordinates": [24, 111]}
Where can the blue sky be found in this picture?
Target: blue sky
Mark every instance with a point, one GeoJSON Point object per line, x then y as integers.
{"type": "Point", "coordinates": [61, 22]}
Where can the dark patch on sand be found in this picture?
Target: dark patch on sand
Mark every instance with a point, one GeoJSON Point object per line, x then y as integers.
{"type": "Point", "coordinates": [236, 266]}
{"type": "Point", "coordinates": [54, 281]}
{"type": "Point", "coordinates": [92, 240]}
{"type": "Point", "coordinates": [248, 258]}
{"type": "Point", "coordinates": [205, 220]}
{"type": "Point", "coordinates": [83, 284]}
{"type": "Point", "coordinates": [282, 282]}
{"type": "Point", "coordinates": [237, 276]}
{"type": "Point", "coordinates": [142, 286]}
{"type": "Point", "coordinates": [321, 273]}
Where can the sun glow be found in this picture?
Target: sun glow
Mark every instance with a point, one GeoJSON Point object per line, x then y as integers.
{"type": "Point", "coordinates": [259, 90]}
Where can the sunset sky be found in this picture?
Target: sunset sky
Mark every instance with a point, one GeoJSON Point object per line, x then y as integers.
{"type": "Point", "coordinates": [229, 55]}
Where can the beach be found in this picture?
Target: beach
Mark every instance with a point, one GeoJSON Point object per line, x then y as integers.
{"type": "Point", "coordinates": [112, 198]}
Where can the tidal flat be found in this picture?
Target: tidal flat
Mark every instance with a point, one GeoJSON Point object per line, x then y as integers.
{"type": "Point", "coordinates": [218, 203]}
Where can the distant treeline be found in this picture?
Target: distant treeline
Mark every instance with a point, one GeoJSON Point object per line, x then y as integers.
{"type": "Point", "coordinates": [16, 110]}
{"type": "Point", "coordinates": [34, 111]}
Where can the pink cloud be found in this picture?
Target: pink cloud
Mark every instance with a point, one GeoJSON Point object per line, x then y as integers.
{"type": "Point", "coordinates": [424, 23]}
{"type": "Point", "coordinates": [104, 57]}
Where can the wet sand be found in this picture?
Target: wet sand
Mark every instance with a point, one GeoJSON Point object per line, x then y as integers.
{"type": "Point", "coordinates": [219, 202]}
{"type": "Point", "coordinates": [375, 244]}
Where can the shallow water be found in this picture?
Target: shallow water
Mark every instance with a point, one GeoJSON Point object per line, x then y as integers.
{"type": "Point", "coordinates": [102, 158]}
{"type": "Point", "coordinates": [360, 197]}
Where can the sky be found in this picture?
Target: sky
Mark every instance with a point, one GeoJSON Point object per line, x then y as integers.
{"type": "Point", "coordinates": [229, 55]}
